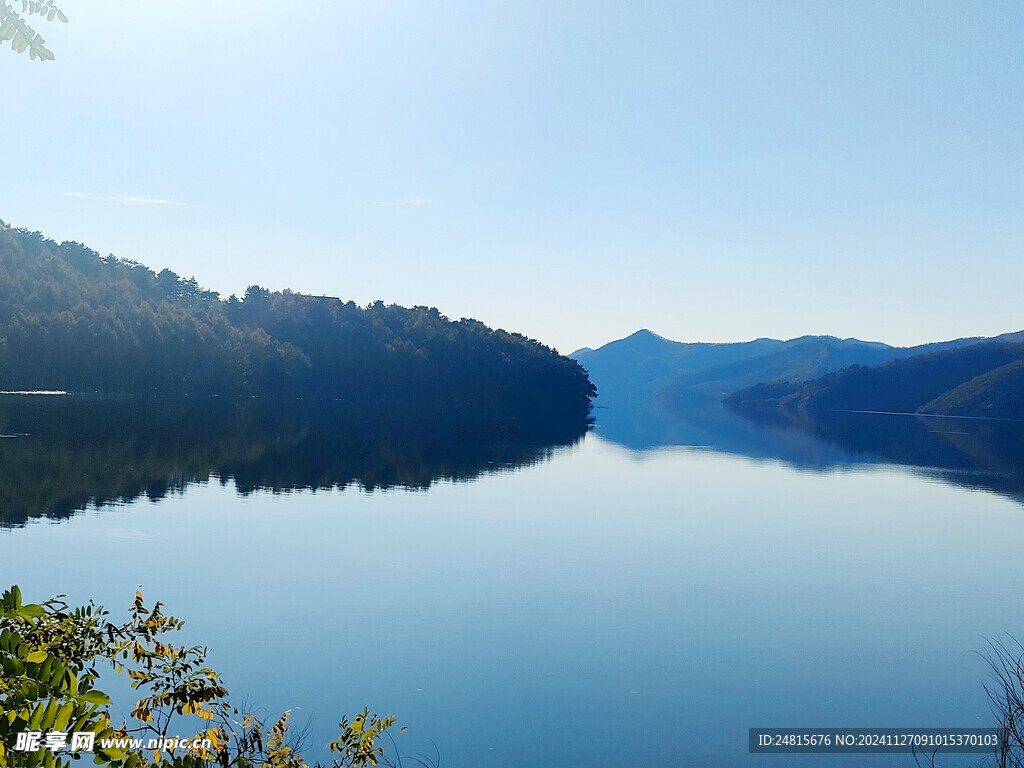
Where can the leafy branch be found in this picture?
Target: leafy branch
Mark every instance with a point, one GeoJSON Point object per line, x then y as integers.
{"type": "Point", "coordinates": [48, 657]}
{"type": "Point", "coordinates": [22, 37]}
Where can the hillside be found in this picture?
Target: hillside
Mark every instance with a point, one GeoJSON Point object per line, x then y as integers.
{"type": "Point", "coordinates": [643, 362]}
{"type": "Point", "coordinates": [646, 365]}
{"type": "Point", "coordinates": [71, 320]}
{"type": "Point", "coordinates": [981, 379]}
{"type": "Point", "coordinates": [997, 394]}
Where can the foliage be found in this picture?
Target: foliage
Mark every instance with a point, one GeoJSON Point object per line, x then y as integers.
{"type": "Point", "coordinates": [357, 744]}
{"type": "Point", "coordinates": [47, 684]}
{"type": "Point", "coordinates": [72, 320]}
{"type": "Point", "coordinates": [1005, 689]}
{"type": "Point", "coordinates": [906, 385]}
{"type": "Point", "coordinates": [50, 652]}
{"type": "Point", "coordinates": [998, 394]}
{"type": "Point", "coordinates": [1006, 694]}
{"type": "Point", "coordinates": [23, 38]}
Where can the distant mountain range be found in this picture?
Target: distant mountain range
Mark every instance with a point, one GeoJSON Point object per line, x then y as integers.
{"type": "Point", "coordinates": [645, 364]}
{"type": "Point", "coordinates": [984, 379]}
{"type": "Point", "coordinates": [815, 374]}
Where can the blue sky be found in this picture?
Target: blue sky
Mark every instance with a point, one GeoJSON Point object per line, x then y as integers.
{"type": "Point", "coordinates": [714, 171]}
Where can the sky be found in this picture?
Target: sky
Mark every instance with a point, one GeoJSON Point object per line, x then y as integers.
{"type": "Point", "coordinates": [574, 171]}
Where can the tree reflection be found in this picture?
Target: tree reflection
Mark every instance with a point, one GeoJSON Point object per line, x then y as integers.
{"type": "Point", "coordinates": [60, 455]}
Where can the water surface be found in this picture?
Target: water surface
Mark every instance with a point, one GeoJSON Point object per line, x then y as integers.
{"type": "Point", "coordinates": [549, 599]}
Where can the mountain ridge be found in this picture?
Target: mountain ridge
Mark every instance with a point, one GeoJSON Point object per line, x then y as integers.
{"type": "Point", "coordinates": [983, 379]}
{"type": "Point", "coordinates": [645, 364]}
{"type": "Point", "coordinates": [73, 320]}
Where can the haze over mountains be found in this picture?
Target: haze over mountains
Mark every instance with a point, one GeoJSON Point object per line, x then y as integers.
{"type": "Point", "coordinates": [815, 374]}
{"type": "Point", "coordinates": [645, 364]}
{"type": "Point", "coordinates": [979, 380]}
{"type": "Point", "coordinates": [818, 401]}
{"type": "Point", "coordinates": [70, 319]}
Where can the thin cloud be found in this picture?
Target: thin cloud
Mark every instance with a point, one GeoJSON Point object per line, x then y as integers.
{"type": "Point", "coordinates": [123, 199]}
{"type": "Point", "coordinates": [410, 201]}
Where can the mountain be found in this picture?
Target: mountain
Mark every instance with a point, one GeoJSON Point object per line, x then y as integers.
{"type": "Point", "coordinates": [646, 365]}
{"type": "Point", "coordinates": [981, 379]}
{"type": "Point", "coordinates": [71, 320]}
{"type": "Point", "coordinates": [644, 362]}
{"type": "Point", "coordinates": [996, 394]}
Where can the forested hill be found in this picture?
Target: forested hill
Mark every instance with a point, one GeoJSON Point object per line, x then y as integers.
{"type": "Point", "coordinates": [72, 320]}
{"type": "Point", "coordinates": [981, 379]}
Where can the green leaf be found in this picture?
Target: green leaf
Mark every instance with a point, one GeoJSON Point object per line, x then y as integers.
{"type": "Point", "coordinates": [37, 717]}
{"type": "Point", "coordinates": [49, 716]}
{"type": "Point", "coordinates": [36, 657]}
{"type": "Point", "coordinates": [95, 697]}
{"type": "Point", "coordinates": [31, 611]}
{"type": "Point", "coordinates": [64, 716]}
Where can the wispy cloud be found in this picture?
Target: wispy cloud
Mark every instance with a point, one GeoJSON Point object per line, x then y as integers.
{"type": "Point", "coordinates": [410, 201]}
{"type": "Point", "coordinates": [123, 199]}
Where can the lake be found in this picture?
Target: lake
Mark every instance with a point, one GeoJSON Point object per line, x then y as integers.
{"type": "Point", "coordinates": [639, 594]}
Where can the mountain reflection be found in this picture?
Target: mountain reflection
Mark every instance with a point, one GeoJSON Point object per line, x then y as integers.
{"type": "Point", "coordinates": [60, 455]}
{"type": "Point", "coordinates": [985, 454]}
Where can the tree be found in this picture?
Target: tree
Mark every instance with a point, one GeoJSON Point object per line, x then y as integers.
{"type": "Point", "coordinates": [1005, 659]}
{"type": "Point", "coordinates": [1005, 689]}
{"type": "Point", "coordinates": [23, 38]}
{"type": "Point", "coordinates": [49, 654]}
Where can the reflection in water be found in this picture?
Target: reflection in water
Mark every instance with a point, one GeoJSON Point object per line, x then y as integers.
{"type": "Point", "coordinates": [60, 455]}
{"type": "Point", "coordinates": [702, 421]}
{"type": "Point", "coordinates": [683, 598]}
{"type": "Point", "coordinates": [978, 453]}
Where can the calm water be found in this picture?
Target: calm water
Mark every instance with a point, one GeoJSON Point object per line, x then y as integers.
{"type": "Point", "coordinates": [534, 597]}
